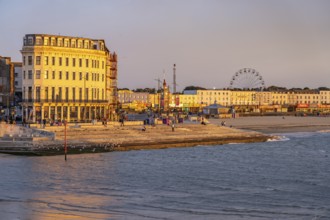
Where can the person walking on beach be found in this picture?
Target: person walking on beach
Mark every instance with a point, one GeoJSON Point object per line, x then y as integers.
{"type": "Point", "coordinates": [44, 122]}
{"type": "Point", "coordinates": [203, 122]}
{"type": "Point", "coordinates": [121, 120]}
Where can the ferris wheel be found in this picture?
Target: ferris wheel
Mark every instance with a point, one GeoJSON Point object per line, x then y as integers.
{"type": "Point", "coordinates": [247, 78]}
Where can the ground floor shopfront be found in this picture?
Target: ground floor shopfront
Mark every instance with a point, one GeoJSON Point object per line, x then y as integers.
{"type": "Point", "coordinates": [36, 112]}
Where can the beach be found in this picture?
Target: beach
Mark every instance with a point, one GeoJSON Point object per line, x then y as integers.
{"type": "Point", "coordinates": [89, 138]}
{"type": "Point", "coordinates": [278, 124]}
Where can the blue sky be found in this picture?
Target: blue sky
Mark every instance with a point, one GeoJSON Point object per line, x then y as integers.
{"type": "Point", "coordinates": [287, 41]}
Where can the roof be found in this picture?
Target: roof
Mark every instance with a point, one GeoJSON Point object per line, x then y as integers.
{"type": "Point", "coordinates": [215, 106]}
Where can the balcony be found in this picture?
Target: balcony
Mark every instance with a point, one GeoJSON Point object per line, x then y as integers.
{"type": "Point", "coordinates": [62, 101]}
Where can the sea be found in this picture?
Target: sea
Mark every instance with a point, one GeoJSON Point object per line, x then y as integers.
{"type": "Point", "coordinates": [284, 178]}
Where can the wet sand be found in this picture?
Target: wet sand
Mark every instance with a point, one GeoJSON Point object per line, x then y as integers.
{"type": "Point", "coordinates": [278, 124]}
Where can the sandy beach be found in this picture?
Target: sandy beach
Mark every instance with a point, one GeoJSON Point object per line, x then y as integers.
{"type": "Point", "coordinates": [88, 138]}
{"type": "Point", "coordinates": [278, 124]}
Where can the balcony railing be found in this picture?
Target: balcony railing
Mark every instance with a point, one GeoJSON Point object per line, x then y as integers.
{"type": "Point", "coordinates": [74, 101]}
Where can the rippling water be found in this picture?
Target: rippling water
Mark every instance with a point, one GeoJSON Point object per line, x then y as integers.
{"type": "Point", "coordinates": [274, 180]}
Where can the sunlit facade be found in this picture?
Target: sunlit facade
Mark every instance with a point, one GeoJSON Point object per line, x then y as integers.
{"type": "Point", "coordinates": [68, 78]}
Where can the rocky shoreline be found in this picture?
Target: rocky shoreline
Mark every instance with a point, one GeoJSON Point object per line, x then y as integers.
{"type": "Point", "coordinates": [97, 138]}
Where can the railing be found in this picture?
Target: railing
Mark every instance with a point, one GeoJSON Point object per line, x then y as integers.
{"type": "Point", "coordinates": [63, 101]}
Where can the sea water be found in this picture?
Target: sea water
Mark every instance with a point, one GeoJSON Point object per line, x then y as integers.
{"type": "Point", "coordinates": [288, 179]}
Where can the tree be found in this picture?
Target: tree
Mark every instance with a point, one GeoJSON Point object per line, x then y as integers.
{"type": "Point", "coordinates": [147, 90]}
{"type": "Point", "coordinates": [276, 88]}
{"type": "Point", "coordinates": [194, 88]}
{"type": "Point", "coordinates": [323, 88]}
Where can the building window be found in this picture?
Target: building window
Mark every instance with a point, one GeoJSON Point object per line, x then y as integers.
{"type": "Point", "coordinates": [66, 94]}
{"type": "Point", "coordinates": [60, 93]}
{"type": "Point", "coordinates": [46, 60]}
{"type": "Point", "coordinates": [86, 62]}
{"type": "Point", "coordinates": [53, 61]}
{"type": "Point", "coordinates": [80, 76]}
{"type": "Point", "coordinates": [46, 94]}
{"type": "Point", "coordinates": [38, 41]}
{"type": "Point", "coordinates": [67, 61]}
{"type": "Point", "coordinates": [86, 94]}
{"type": "Point", "coordinates": [16, 83]}
{"type": "Point", "coordinates": [102, 77]}
{"type": "Point", "coordinates": [24, 74]}
{"type": "Point", "coordinates": [30, 74]}
{"type": "Point", "coordinates": [29, 60]}
{"type": "Point", "coordinates": [53, 75]}
{"type": "Point", "coordinates": [38, 93]}
{"type": "Point", "coordinates": [86, 77]}
{"type": "Point", "coordinates": [37, 60]}
{"type": "Point", "coordinates": [46, 74]}
{"type": "Point", "coordinates": [37, 74]}
{"type": "Point", "coordinates": [29, 93]}
{"type": "Point", "coordinates": [67, 76]}
{"type": "Point", "coordinates": [30, 41]}
{"type": "Point", "coordinates": [60, 75]}
{"type": "Point", "coordinates": [53, 94]}
{"type": "Point", "coordinates": [80, 62]}
{"type": "Point", "coordinates": [74, 76]}
{"type": "Point", "coordinates": [74, 94]}
{"type": "Point", "coordinates": [80, 94]}
{"type": "Point", "coordinates": [74, 62]}
{"type": "Point", "coordinates": [24, 60]}
{"type": "Point", "coordinates": [60, 61]}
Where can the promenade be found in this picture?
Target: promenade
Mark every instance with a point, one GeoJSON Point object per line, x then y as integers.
{"type": "Point", "coordinates": [89, 138]}
{"type": "Point", "coordinates": [98, 138]}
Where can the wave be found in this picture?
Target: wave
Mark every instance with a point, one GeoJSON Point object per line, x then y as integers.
{"type": "Point", "coordinates": [278, 138]}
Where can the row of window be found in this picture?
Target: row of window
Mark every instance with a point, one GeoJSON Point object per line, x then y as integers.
{"type": "Point", "coordinates": [53, 94]}
{"type": "Point", "coordinates": [47, 75]}
{"type": "Point", "coordinates": [215, 93]}
{"type": "Point", "coordinates": [306, 97]}
{"type": "Point", "coordinates": [63, 61]}
{"type": "Point", "coordinates": [60, 42]}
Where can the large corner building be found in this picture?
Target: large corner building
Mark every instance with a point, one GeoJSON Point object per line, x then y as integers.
{"type": "Point", "coordinates": [68, 78]}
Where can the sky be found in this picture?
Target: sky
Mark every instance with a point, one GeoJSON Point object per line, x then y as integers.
{"type": "Point", "coordinates": [286, 41]}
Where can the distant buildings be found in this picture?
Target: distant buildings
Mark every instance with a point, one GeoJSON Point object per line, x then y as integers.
{"type": "Point", "coordinates": [10, 86]}
{"type": "Point", "coordinates": [68, 78]}
{"type": "Point", "coordinates": [75, 79]}
{"type": "Point", "coordinates": [243, 101]}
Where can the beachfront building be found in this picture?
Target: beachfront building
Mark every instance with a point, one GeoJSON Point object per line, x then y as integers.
{"type": "Point", "coordinates": [189, 102]}
{"type": "Point", "coordinates": [7, 86]}
{"type": "Point", "coordinates": [208, 97]}
{"type": "Point", "coordinates": [68, 78]}
{"type": "Point", "coordinates": [137, 101]}
{"type": "Point", "coordinates": [18, 79]}
{"type": "Point", "coordinates": [325, 97]}
{"type": "Point", "coordinates": [280, 98]}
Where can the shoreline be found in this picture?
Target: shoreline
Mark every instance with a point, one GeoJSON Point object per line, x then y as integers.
{"type": "Point", "coordinates": [94, 139]}
{"type": "Point", "coordinates": [97, 138]}
{"type": "Point", "coordinates": [278, 124]}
